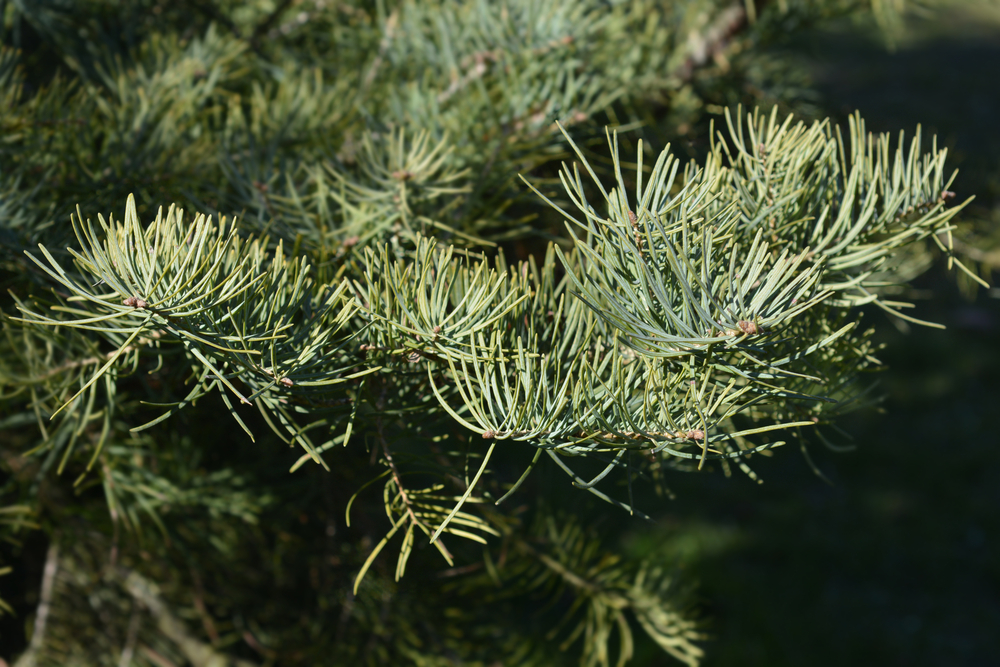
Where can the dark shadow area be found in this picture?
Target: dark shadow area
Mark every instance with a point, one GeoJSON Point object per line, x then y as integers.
{"type": "Point", "coordinates": [897, 561]}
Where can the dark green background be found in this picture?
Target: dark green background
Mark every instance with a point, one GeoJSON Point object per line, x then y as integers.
{"type": "Point", "coordinates": [897, 561]}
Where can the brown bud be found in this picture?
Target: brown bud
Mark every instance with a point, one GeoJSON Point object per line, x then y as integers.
{"type": "Point", "coordinates": [489, 435]}
{"type": "Point", "coordinates": [286, 382]}
{"type": "Point", "coordinates": [135, 302]}
{"type": "Point", "coordinates": [749, 328]}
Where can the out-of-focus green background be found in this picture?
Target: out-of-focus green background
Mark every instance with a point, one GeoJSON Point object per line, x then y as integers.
{"type": "Point", "coordinates": [897, 560]}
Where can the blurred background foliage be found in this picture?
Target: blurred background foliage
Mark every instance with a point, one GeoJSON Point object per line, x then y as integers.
{"type": "Point", "coordinates": [896, 561]}
{"type": "Point", "coordinates": [266, 110]}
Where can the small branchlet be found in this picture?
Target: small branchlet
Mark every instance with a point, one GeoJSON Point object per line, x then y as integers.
{"type": "Point", "coordinates": [634, 220]}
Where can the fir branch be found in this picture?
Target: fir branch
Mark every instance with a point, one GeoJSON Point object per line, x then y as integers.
{"type": "Point", "coordinates": [402, 490]}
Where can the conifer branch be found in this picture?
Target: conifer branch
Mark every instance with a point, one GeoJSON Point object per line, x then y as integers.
{"type": "Point", "coordinates": [690, 311]}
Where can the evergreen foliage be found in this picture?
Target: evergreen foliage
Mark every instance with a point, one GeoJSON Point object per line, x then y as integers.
{"type": "Point", "coordinates": [317, 234]}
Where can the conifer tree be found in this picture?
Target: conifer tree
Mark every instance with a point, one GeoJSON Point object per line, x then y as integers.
{"type": "Point", "coordinates": [303, 297]}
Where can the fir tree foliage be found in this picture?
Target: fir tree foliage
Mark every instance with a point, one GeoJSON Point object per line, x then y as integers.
{"type": "Point", "coordinates": [665, 336]}
{"type": "Point", "coordinates": [363, 299]}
